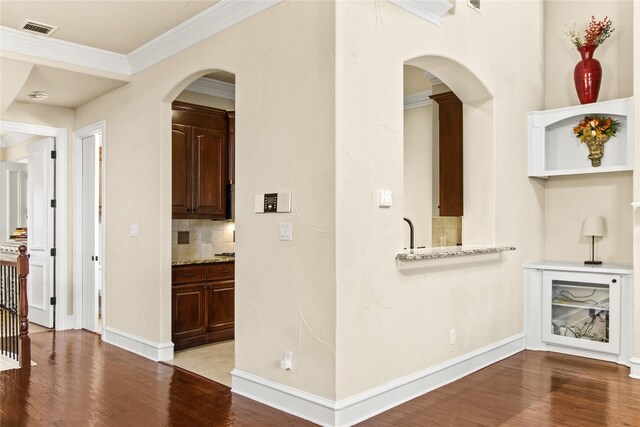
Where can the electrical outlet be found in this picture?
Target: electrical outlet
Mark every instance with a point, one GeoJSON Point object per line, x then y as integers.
{"type": "Point", "coordinates": [287, 361]}
{"type": "Point", "coordinates": [452, 336]}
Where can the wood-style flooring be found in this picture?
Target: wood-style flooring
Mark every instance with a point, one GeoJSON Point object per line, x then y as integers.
{"type": "Point", "coordinates": [80, 381]}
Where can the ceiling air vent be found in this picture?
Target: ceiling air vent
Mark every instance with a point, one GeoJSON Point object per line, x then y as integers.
{"type": "Point", "coordinates": [474, 4]}
{"type": "Point", "coordinates": [37, 28]}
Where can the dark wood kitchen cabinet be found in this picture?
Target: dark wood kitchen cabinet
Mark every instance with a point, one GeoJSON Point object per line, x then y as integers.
{"type": "Point", "coordinates": [202, 304]}
{"type": "Point", "coordinates": [450, 146]}
{"type": "Point", "coordinates": [199, 163]}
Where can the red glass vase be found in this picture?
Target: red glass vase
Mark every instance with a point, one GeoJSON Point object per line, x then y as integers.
{"type": "Point", "coordinates": [587, 75]}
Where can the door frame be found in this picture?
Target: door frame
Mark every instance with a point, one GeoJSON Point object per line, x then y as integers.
{"type": "Point", "coordinates": [78, 136]}
{"type": "Point", "coordinates": [62, 319]}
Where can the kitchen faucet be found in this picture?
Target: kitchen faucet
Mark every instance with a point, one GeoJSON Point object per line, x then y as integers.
{"type": "Point", "coordinates": [411, 245]}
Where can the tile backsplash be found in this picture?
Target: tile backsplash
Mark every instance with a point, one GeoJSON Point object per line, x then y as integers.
{"type": "Point", "coordinates": [206, 238]}
{"type": "Point", "coordinates": [446, 231]}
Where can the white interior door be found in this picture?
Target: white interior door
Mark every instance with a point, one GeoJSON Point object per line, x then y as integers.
{"type": "Point", "coordinates": [90, 237]}
{"type": "Point", "coordinates": [13, 194]}
{"type": "Point", "coordinates": [40, 232]}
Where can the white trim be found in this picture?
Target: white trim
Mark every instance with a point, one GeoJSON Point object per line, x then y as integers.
{"type": "Point", "coordinates": [418, 99]}
{"type": "Point", "coordinates": [634, 364]}
{"type": "Point", "coordinates": [372, 402]}
{"type": "Point", "coordinates": [432, 78]}
{"type": "Point", "coordinates": [211, 87]}
{"type": "Point", "coordinates": [430, 10]}
{"type": "Point", "coordinates": [141, 346]}
{"type": "Point", "coordinates": [635, 205]}
{"type": "Point", "coordinates": [60, 135]}
{"type": "Point", "coordinates": [63, 51]}
{"type": "Point", "coordinates": [207, 23]}
{"type": "Point", "coordinates": [78, 136]}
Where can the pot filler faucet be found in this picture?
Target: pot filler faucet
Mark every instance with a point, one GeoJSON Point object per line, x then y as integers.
{"type": "Point", "coordinates": [411, 245]}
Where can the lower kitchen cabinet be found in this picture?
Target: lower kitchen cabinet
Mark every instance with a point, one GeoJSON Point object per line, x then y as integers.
{"type": "Point", "coordinates": [202, 304]}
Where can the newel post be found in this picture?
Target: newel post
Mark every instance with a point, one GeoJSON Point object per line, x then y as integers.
{"type": "Point", "coordinates": [25, 340]}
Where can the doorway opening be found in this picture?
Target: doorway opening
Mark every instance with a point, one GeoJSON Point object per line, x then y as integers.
{"type": "Point", "coordinates": [41, 215]}
{"type": "Point", "coordinates": [88, 209]}
{"type": "Point", "coordinates": [203, 227]}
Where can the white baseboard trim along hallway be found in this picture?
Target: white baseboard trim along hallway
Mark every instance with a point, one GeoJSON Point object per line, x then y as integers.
{"type": "Point", "coordinates": [634, 364]}
{"type": "Point", "coordinates": [377, 400]}
{"type": "Point", "coordinates": [141, 346]}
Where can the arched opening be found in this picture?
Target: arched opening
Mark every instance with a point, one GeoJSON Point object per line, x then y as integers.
{"type": "Point", "coordinates": [448, 154]}
{"type": "Point", "coordinates": [202, 223]}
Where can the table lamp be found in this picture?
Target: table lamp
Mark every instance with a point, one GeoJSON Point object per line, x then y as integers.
{"type": "Point", "coordinates": [593, 226]}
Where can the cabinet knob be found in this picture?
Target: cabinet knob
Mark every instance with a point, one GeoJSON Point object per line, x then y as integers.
{"type": "Point", "coordinates": [614, 281]}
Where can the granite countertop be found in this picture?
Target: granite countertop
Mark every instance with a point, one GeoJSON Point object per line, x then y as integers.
{"type": "Point", "coordinates": [450, 251]}
{"type": "Point", "coordinates": [214, 260]}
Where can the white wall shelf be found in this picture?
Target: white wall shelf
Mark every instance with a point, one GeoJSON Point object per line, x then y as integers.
{"type": "Point", "coordinates": [554, 149]}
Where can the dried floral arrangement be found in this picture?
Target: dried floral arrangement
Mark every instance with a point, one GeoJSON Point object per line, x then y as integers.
{"type": "Point", "coordinates": [595, 126]}
{"type": "Point", "coordinates": [595, 33]}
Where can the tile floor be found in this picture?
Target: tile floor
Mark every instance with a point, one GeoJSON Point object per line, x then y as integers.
{"type": "Point", "coordinates": [214, 361]}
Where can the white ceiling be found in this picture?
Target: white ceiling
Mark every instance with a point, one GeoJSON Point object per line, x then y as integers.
{"type": "Point", "coordinates": [116, 26]}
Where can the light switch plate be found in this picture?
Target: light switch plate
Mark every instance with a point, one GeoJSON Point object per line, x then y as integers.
{"type": "Point", "coordinates": [133, 230]}
{"type": "Point", "coordinates": [385, 198]}
{"type": "Point", "coordinates": [285, 231]}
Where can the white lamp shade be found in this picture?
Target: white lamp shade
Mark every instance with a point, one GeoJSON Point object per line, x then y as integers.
{"type": "Point", "coordinates": [593, 226]}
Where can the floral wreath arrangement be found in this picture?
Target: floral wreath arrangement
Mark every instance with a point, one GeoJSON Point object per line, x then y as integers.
{"type": "Point", "coordinates": [597, 127]}
{"type": "Point", "coordinates": [595, 33]}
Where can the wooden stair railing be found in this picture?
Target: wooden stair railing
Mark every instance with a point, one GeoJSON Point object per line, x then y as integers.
{"type": "Point", "coordinates": [14, 309]}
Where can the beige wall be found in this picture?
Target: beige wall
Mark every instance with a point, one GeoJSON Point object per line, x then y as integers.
{"type": "Point", "coordinates": [393, 324]}
{"type": "Point", "coordinates": [283, 59]}
{"type": "Point", "coordinates": [636, 184]}
{"type": "Point", "coordinates": [568, 200]}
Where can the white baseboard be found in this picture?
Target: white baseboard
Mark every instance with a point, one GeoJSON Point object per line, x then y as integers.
{"type": "Point", "coordinates": [372, 402]}
{"type": "Point", "coordinates": [138, 345]}
{"type": "Point", "coordinates": [634, 364]}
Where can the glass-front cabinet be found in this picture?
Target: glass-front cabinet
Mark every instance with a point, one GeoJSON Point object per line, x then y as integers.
{"type": "Point", "coordinates": [581, 310]}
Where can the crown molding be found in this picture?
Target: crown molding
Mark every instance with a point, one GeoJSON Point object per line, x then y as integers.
{"type": "Point", "coordinates": [432, 79]}
{"type": "Point", "coordinates": [63, 51]}
{"type": "Point", "coordinates": [418, 99]}
{"type": "Point", "coordinates": [207, 23]}
{"type": "Point", "coordinates": [430, 10]}
{"type": "Point", "coordinates": [213, 87]}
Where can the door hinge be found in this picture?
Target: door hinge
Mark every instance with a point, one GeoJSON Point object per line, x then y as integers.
{"type": "Point", "coordinates": [53, 300]}
{"type": "Point", "coordinates": [53, 203]}
{"type": "Point", "coordinates": [53, 154]}
{"type": "Point", "coordinates": [53, 251]}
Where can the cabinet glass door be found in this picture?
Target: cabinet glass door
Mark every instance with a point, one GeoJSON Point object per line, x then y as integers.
{"type": "Point", "coordinates": [582, 310]}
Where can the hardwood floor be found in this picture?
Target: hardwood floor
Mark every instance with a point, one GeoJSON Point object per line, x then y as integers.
{"type": "Point", "coordinates": [80, 381]}
{"type": "Point", "coordinates": [530, 388]}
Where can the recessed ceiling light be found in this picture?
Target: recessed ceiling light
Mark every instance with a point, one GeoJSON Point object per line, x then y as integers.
{"type": "Point", "coordinates": [38, 95]}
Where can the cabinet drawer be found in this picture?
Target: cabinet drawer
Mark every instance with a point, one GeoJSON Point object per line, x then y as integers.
{"type": "Point", "coordinates": [193, 273]}
{"type": "Point", "coordinates": [220, 271]}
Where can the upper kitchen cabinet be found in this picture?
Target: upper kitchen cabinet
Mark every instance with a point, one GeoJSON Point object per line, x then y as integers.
{"type": "Point", "coordinates": [554, 149]}
{"type": "Point", "coordinates": [199, 137]}
{"type": "Point", "coordinates": [450, 148]}
{"type": "Point", "coordinates": [232, 146]}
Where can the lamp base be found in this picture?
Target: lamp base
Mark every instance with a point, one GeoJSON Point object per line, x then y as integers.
{"type": "Point", "coordinates": [593, 262]}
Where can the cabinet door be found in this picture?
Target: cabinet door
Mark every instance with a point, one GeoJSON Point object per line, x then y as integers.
{"type": "Point", "coordinates": [188, 311]}
{"type": "Point", "coordinates": [451, 153]}
{"type": "Point", "coordinates": [209, 172]}
{"type": "Point", "coordinates": [232, 146]}
{"type": "Point", "coordinates": [181, 169]}
{"type": "Point", "coordinates": [220, 301]}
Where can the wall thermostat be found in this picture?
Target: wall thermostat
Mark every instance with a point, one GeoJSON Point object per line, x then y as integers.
{"type": "Point", "coordinates": [273, 202]}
